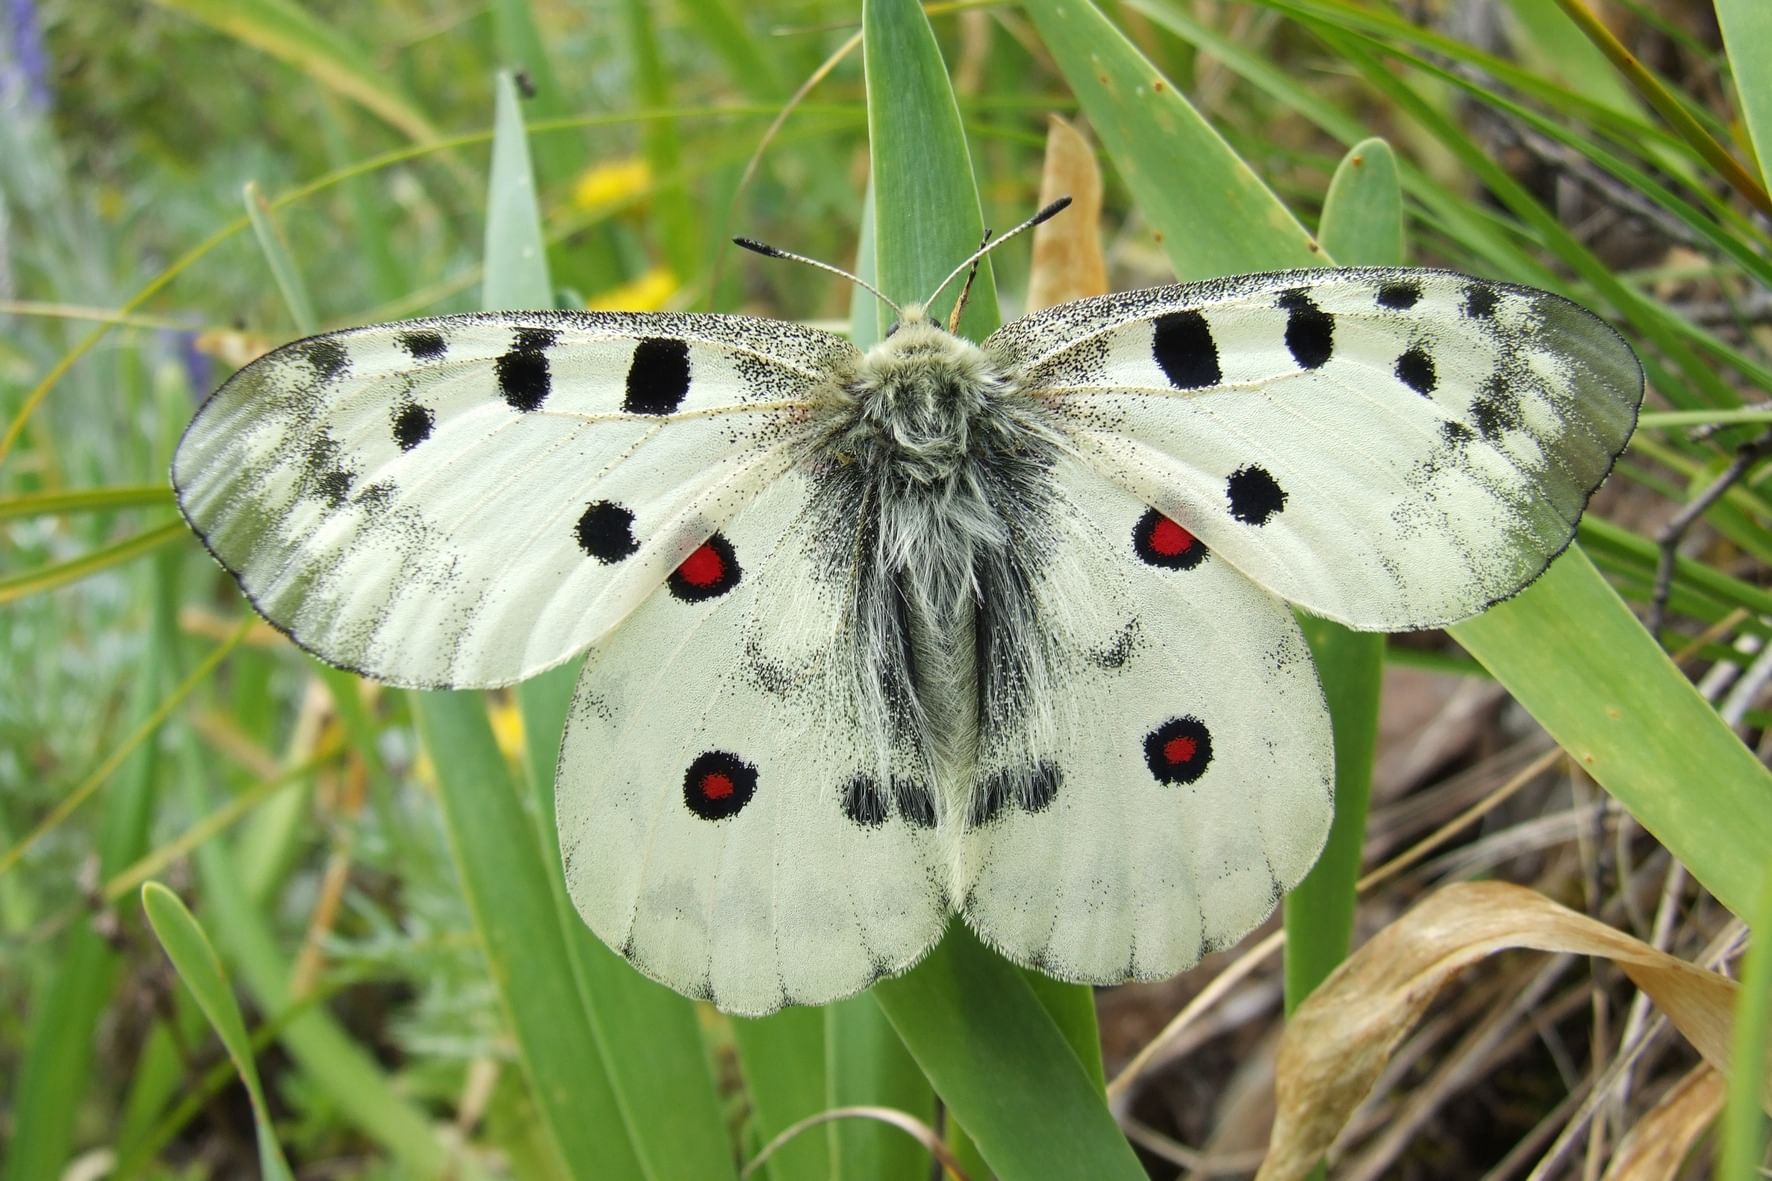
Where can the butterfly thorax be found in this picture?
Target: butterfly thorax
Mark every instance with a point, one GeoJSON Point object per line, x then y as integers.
{"type": "Point", "coordinates": [944, 465]}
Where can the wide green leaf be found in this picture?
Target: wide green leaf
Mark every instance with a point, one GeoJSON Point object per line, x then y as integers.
{"type": "Point", "coordinates": [1362, 225]}
{"type": "Point", "coordinates": [1747, 35]}
{"type": "Point", "coordinates": [981, 1035]}
{"type": "Point", "coordinates": [1055, 1123]}
{"type": "Point", "coordinates": [200, 968]}
{"type": "Point", "coordinates": [615, 1062]}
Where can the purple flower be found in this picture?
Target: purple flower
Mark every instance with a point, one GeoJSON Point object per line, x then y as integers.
{"type": "Point", "coordinates": [23, 57]}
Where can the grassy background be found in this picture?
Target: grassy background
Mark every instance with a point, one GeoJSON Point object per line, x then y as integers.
{"type": "Point", "coordinates": [373, 873]}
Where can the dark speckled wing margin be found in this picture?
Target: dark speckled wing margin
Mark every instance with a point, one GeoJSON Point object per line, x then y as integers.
{"type": "Point", "coordinates": [467, 500]}
{"type": "Point", "coordinates": [1391, 449]}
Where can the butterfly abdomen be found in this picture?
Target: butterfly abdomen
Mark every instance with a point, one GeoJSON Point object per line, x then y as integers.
{"type": "Point", "coordinates": [944, 468]}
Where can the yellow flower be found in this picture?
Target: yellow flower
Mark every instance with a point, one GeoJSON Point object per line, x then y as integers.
{"type": "Point", "coordinates": [507, 726]}
{"type": "Point", "coordinates": [648, 293]}
{"type": "Point", "coordinates": [606, 184]}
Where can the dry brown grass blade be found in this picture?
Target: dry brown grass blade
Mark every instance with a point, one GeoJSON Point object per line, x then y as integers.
{"type": "Point", "coordinates": [1339, 1040]}
{"type": "Point", "coordinates": [913, 1127]}
{"type": "Point", "coordinates": [1655, 1148]}
{"type": "Point", "coordinates": [1068, 262]}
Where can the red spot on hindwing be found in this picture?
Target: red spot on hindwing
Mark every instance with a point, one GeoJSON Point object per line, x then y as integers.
{"type": "Point", "coordinates": [718, 784]}
{"type": "Point", "coordinates": [1178, 751]}
{"type": "Point", "coordinates": [707, 573]}
{"type": "Point", "coordinates": [1170, 539]}
{"type": "Point", "coordinates": [1159, 541]}
{"type": "Point", "coordinates": [704, 567]}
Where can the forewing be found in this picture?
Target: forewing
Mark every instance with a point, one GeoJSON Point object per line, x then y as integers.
{"type": "Point", "coordinates": [1388, 448]}
{"type": "Point", "coordinates": [467, 500]}
{"type": "Point", "coordinates": [736, 818]}
{"type": "Point", "coordinates": [1175, 779]}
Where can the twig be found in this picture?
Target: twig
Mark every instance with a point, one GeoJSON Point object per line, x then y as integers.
{"type": "Point", "coordinates": [1671, 534]}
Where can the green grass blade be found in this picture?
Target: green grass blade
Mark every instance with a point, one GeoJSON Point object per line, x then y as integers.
{"type": "Point", "coordinates": [521, 46]}
{"type": "Point", "coordinates": [783, 1062]}
{"type": "Point", "coordinates": [335, 1063]}
{"type": "Point", "coordinates": [516, 252]}
{"type": "Point", "coordinates": [1743, 1139]}
{"type": "Point", "coordinates": [1668, 106]}
{"type": "Point", "coordinates": [649, 1065]}
{"type": "Point", "coordinates": [867, 1064]}
{"type": "Point", "coordinates": [1363, 210]}
{"type": "Point", "coordinates": [291, 34]}
{"type": "Point", "coordinates": [503, 873]}
{"type": "Point", "coordinates": [1570, 651]}
{"type": "Point", "coordinates": [201, 970]}
{"type": "Point", "coordinates": [983, 1038]}
{"type": "Point", "coordinates": [1362, 226]}
{"type": "Point", "coordinates": [47, 578]}
{"type": "Point", "coordinates": [677, 227]}
{"type": "Point", "coordinates": [926, 211]}
{"type": "Point", "coordinates": [1747, 35]}
{"type": "Point", "coordinates": [1134, 109]}
{"type": "Point", "coordinates": [56, 1068]}
{"type": "Point", "coordinates": [86, 500]}
{"type": "Point", "coordinates": [283, 269]}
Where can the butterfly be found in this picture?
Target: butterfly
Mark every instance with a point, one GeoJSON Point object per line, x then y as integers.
{"type": "Point", "coordinates": [996, 628]}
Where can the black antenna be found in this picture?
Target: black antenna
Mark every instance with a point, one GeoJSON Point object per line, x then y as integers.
{"type": "Point", "coordinates": [768, 251]}
{"type": "Point", "coordinates": [1045, 214]}
{"type": "Point", "coordinates": [966, 288]}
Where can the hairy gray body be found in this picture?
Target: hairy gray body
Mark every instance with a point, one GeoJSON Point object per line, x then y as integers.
{"type": "Point", "coordinates": [937, 472]}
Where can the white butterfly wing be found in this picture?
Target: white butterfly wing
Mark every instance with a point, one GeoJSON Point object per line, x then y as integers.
{"type": "Point", "coordinates": [736, 819]}
{"type": "Point", "coordinates": [1388, 448]}
{"type": "Point", "coordinates": [1184, 760]}
{"type": "Point", "coordinates": [467, 500]}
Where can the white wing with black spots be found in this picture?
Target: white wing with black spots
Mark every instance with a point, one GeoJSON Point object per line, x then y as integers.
{"type": "Point", "coordinates": [737, 816]}
{"type": "Point", "coordinates": [1174, 780]}
{"type": "Point", "coordinates": [467, 500]}
{"type": "Point", "coordinates": [1388, 448]}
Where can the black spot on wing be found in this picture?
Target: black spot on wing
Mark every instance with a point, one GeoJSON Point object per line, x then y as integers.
{"type": "Point", "coordinates": [422, 344]}
{"type": "Point", "coordinates": [1495, 409]}
{"type": "Point", "coordinates": [413, 425]}
{"type": "Point", "coordinates": [1415, 369]}
{"type": "Point", "coordinates": [327, 356]}
{"type": "Point", "coordinates": [658, 376]}
{"type": "Point", "coordinates": [606, 531]}
{"type": "Point", "coordinates": [1479, 301]}
{"type": "Point", "coordinates": [524, 377]}
{"type": "Point", "coordinates": [1399, 296]}
{"type": "Point", "coordinates": [1254, 495]}
{"type": "Point", "coordinates": [914, 800]}
{"type": "Point", "coordinates": [1159, 541]}
{"type": "Point", "coordinates": [1178, 751]}
{"type": "Point", "coordinates": [718, 784]}
{"type": "Point", "coordinates": [707, 573]}
{"type": "Point", "coordinates": [1030, 788]}
{"type": "Point", "coordinates": [1182, 344]}
{"type": "Point", "coordinates": [864, 803]}
{"type": "Point", "coordinates": [335, 486]}
{"type": "Point", "coordinates": [1310, 331]}
{"type": "Point", "coordinates": [1114, 655]}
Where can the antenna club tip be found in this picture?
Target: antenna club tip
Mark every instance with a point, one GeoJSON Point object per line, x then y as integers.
{"type": "Point", "coordinates": [763, 248]}
{"type": "Point", "coordinates": [1053, 210]}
